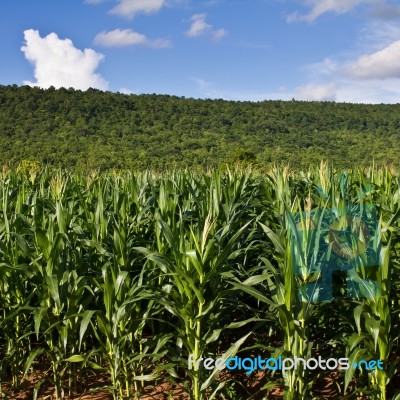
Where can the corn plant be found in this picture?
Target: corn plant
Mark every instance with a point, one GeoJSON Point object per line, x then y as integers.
{"type": "Point", "coordinates": [129, 273]}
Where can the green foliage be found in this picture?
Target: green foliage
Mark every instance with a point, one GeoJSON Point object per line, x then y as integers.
{"type": "Point", "coordinates": [129, 274]}
{"type": "Point", "coordinates": [95, 129]}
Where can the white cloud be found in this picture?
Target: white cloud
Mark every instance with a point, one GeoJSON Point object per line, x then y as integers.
{"type": "Point", "coordinates": [382, 64]}
{"type": "Point", "coordinates": [320, 7]}
{"type": "Point", "coordinates": [376, 35]}
{"type": "Point", "coordinates": [206, 89]}
{"type": "Point", "coordinates": [386, 12]}
{"type": "Point", "coordinates": [129, 8]}
{"type": "Point", "coordinates": [373, 92]}
{"type": "Point", "coordinates": [322, 69]}
{"type": "Point", "coordinates": [219, 34]}
{"type": "Point", "coordinates": [127, 37]}
{"type": "Point", "coordinates": [371, 78]}
{"type": "Point", "coordinates": [126, 91]}
{"type": "Point", "coordinates": [200, 27]}
{"type": "Point", "coordinates": [58, 63]}
{"type": "Point", "coordinates": [316, 92]}
{"type": "Point", "coordinates": [339, 89]}
{"type": "Point", "coordinates": [368, 91]}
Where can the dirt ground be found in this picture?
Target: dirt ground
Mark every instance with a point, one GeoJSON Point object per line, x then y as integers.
{"type": "Point", "coordinates": [94, 387]}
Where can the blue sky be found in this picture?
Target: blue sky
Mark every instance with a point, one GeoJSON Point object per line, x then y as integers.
{"type": "Point", "coordinates": [341, 50]}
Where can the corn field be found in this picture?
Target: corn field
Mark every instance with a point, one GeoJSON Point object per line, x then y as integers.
{"type": "Point", "coordinates": [124, 275]}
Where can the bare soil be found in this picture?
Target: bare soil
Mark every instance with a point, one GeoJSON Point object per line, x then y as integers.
{"type": "Point", "coordinates": [95, 387]}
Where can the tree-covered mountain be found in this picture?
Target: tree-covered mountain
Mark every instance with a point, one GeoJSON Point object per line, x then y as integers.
{"type": "Point", "coordinates": [72, 128]}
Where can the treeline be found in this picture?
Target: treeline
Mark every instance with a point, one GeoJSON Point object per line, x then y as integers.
{"type": "Point", "coordinates": [76, 129]}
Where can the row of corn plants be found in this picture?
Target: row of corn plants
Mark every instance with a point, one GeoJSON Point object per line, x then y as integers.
{"type": "Point", "coordinates": [127, 275]}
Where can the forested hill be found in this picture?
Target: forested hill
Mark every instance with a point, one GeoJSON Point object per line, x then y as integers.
{"type": "Point", "coordinates": [72, 128]}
